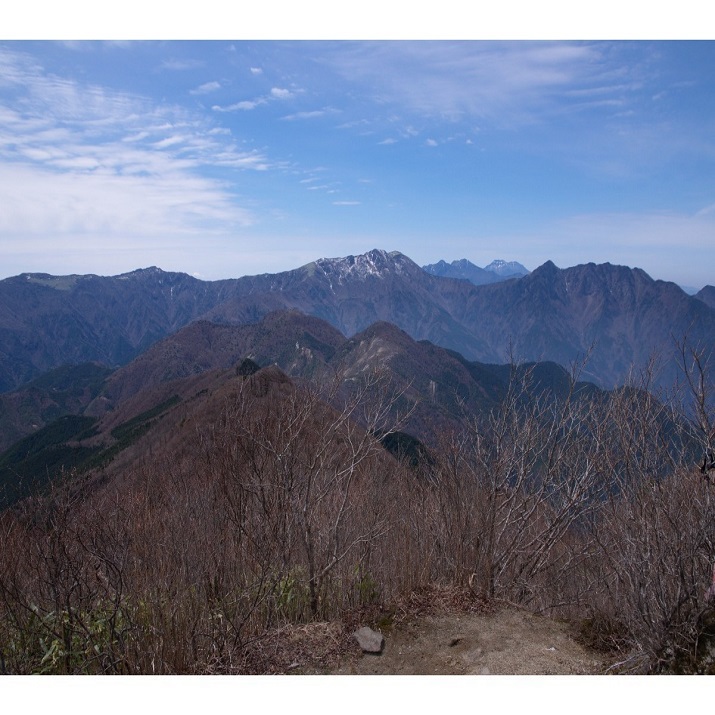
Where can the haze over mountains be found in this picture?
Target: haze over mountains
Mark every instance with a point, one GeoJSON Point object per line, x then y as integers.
{"type": "Point", "coordinates": [619, 314]}
{"type": "Point", "coordinates": [89, 364]}
{"type": "Point", "coordinates": [114, 421]}
{"type": "Point", "coordinates": [493, 273]}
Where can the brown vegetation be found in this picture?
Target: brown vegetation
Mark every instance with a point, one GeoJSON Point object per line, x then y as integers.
{"type": "Point", "coordinates": [270, 506]}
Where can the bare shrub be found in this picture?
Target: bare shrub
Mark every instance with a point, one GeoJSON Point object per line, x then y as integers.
{"type": "Point", "coordinates": [513, 486]}
{"type": "Point", "coordinates": [62, 593]}
{"type": "Point", "coordinates": [301, 482]}
{"type": "Point", "coordinates": [654, 532]}
{"type": "Point", "coordinates": [278, 505]}
{"type": "Point", "coordinates": [655, 546]}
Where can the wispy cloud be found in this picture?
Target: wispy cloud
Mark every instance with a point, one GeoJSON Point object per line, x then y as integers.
{"type": "Point", "coordinates": [505, 83]}
{"type": "Point", "coordinates": [110, 205]}
{"type": "Point", "coordinates": [181, 65]}
{"type": "Point", "coordinates": [706, 211]}
{"type": "Point", "coordinates": [311, 114]}
{"type": "Point", "coordinates": [206, 88]}
{"type": "Point", "coordinates": [243, 106]}
{"type": "Point", "coordinates": [81, 159]}
{"type": "Point", "coordinates": [277, 94]}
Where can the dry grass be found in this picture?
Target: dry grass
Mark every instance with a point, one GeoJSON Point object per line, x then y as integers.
{"type": "Point", "coordinates": [311, 648]}
{"type": "Point", "coordinates": [432, 600]}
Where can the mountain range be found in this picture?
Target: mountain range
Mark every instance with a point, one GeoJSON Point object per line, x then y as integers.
{"type": "Point", "coordinates": [466, 270]}
{"type": "Point", "coordinates": [101, 371]}
{"type": "Point", "coordinates": [180, 457]}
{"type": "Point", "coordinates": [619, 316]}
{"type": "Point", "coordinates": [115, 419]}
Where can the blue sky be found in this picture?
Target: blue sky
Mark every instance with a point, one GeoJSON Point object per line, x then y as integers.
{"type": "Point", "coordinates": [224, 158]}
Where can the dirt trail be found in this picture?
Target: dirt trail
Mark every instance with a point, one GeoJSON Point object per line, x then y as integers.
{"type": "Point", "coordinates": [509, 642]}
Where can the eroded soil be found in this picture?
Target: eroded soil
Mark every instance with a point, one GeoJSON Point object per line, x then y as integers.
{"type": "Point", "coordinates": [508, 642]}
{"type": "Point", "coordinates": [434, 631]}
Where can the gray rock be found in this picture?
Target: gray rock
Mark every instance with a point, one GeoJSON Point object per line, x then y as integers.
{"type": "Point", "coordinates": [370, 641]}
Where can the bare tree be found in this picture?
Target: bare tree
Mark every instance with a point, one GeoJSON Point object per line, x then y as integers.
{"type": "Point", "coordinates": [515, 486]}
{"type": "Point", "coordinates": [700, 401]}
{"type": "Point", "coordinates": [654, 530]}
{"type": "Point", "coordinates": [303, 468]}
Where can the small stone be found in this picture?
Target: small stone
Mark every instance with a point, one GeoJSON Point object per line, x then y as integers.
{"type": "Point", "coordinates": [370, 641]}
{"type": "Point", "coordinates": [454, 642]}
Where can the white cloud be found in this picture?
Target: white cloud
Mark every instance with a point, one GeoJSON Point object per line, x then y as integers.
{"type": "Point", "coordinates": [506, 83]}
{"type": "Point", "coordinates": [314, 114]}
{"type": "Point", "coordinates": [80, 164]}
{"type": "Point", "coordinates": [243, 106]}
{"type": "Point", "coordinates": [279, 93]}
{"type": "Point", "coordinates": [170, 141]}
{"type": "Point", "coordinates": [706, 210]}
{"type": "Point", "coordinates": [347, 203]}
{"type": "Point", "coordinates": [431, 142]}
{"type": "Point", "coordinates": [206, 88]}
{"type": "Point", "coordinates": [103, 206]}
{"type": "Point", "coordinates": [276, 94]}
{"type": "Point", "coordinates": [136, 137]}
{"type": "Point", "coordinates": [256, 70]}
{"type": "Point", "coordinates": [47, 118]}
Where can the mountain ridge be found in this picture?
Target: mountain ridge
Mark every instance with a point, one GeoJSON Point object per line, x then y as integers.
{"type": "Point", "coordinates": [106, 426]}
{"type": "Point", "coordinates": [618, 315]}
{"type": "Point", "coordinates": [464, 269]}
{"type": "Point", "coordinates": [507, 269]}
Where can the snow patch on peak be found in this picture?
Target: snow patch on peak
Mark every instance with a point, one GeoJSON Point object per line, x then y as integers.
{"type": "Point", "coordinates": [506, 268]}
{"type": "Point", "coordinates": [377, 263]}
{"type": "Point", "coordinates": [141, 273]}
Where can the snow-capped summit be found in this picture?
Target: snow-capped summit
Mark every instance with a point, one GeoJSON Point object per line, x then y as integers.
{"type": "Point", "coordinates": [506, 269]}
{"type": "Point", "coordinates": [377, 263]}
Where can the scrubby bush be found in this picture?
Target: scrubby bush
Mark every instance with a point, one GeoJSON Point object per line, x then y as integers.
{"type": "Point", "coordinates": [285, 508]}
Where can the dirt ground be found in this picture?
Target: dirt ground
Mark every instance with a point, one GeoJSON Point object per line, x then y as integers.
{"type": "Point", "coordinates": [434, 632]}
{"type": "Point", "coordinates": [510, 641]}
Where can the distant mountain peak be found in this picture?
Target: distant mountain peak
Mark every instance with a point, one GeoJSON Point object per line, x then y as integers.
{"type": "Point", "coordinates": [466, 270]}
{"type": "Point", "coordinates": [142, 273]}
{"type": "Point", "coordinates": [377, 263]}
{"type": "Point", "coordinates": [506, 269]}
{"type": "Point", "coordinates": [707, 295]}
{"type": "Point", "coordinates": [547, 267]}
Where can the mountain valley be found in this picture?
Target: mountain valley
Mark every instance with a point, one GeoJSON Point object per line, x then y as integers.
{"type": "Point", "coordinates": [619, 316]}
{"type": "Point", "coordinates": [186, 466]}
{"type": "Point", "coordinates": [437, 388]}
{"type": "Point", "coordinates": [141, 343]}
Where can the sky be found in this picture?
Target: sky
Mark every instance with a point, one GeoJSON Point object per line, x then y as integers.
{"type": "Point", "coordinates": [230, 157]}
